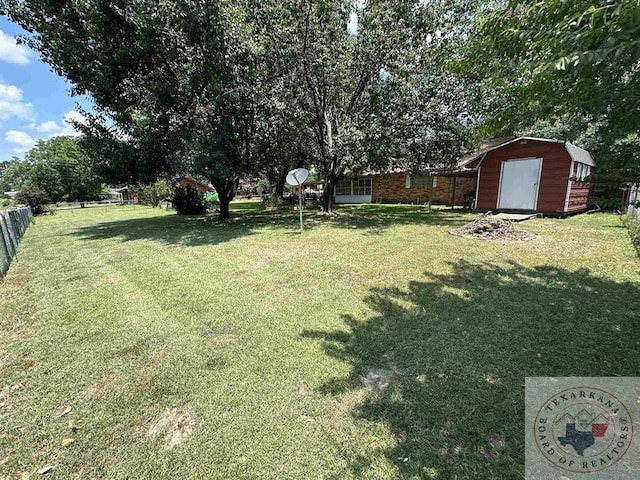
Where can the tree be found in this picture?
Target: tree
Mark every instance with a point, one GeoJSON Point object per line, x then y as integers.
{"type": "Point", "coordinates": [181, 82]}
{"type": "Point", "coordinates": [13, 174]}
{"type": "Point", "coordinates": [154, 193]}
{"type": "Point", "coordinates": [61, 169]}
{"type": "Point", "coordinates": [191, 86]}
{"type": "Point", "coordinates": [57, 167]}
{"type": "Point", "coordinates": [575, 64]}
{"type": "Point", "coordinates": [381, 96]}
{"type": "Point", "coordinates": [35, 198]}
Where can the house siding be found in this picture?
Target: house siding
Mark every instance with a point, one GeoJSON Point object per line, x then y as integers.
{"type": "Point", "coordinates": [552, 189]}
{"type": "Point", "coordinates": [579, 194]}
{"type": "Point", "coordinates": [391, 188]}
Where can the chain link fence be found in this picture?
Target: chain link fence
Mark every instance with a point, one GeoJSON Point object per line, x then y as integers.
{"type": "Point", "coordinates": [13, 224]}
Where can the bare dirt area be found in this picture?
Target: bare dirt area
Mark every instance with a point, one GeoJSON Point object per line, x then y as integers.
{"type": "Point", "coordinates": [175, 424]}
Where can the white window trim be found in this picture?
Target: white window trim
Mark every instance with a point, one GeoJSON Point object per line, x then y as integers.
{"type": "Point", "coordinates": [409, 181]}
{"type": "Point", "coordinates": [355, 185]}
{"type": "Point", "coordinates": [566, 198]}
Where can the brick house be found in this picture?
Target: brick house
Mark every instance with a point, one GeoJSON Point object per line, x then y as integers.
{"type": "Point", "coordinates": [437, 187]}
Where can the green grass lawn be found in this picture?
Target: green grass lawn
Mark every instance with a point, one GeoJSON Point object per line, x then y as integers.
{"type": "Point", "coordinates": [376, 345]}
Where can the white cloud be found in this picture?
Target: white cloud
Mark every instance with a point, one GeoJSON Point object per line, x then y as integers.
{"type": "Point", "coordinates": [54, 129]}
{"type": "Point", "coordinates": [22, 140]}
{"type": "Point", "coordinates": [11, 52]}
{"type": "Point", "coordinates": [68, 119]}
{"type": "Point", "coordinates": [11, 104]}
{"type": "Point", "coordinates": [48, 127]}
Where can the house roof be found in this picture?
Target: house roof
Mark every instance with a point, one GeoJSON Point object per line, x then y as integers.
{"type": "Point", "coordinates": [577, 154]}
{"type": "Point", "coordinates": [209, 187]}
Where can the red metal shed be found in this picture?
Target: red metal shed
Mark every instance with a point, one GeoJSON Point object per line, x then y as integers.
{"type": "Point", "coordinates": [533, 175]}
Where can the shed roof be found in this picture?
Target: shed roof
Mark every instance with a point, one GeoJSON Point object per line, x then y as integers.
{"type": "Point", "coordinates": [577, 154]}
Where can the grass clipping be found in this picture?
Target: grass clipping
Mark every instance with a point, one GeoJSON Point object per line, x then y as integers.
{"type": "Point", "coordinates": [486, 227]}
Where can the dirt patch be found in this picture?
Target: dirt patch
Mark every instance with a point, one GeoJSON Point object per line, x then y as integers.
{"type": "Point", "coordinates": [134, 297]}
{"type": "Point", "coordinates": [221, 339]}
{"type": "Point", "coordinates": [495, 440]}
{"type": "Point", "coordinates": [487, 227]}
{"type": "Point", "coordinates": [174, 425]}
{"type": "Point", "coordinates": [98, 389]}
{"type": "Point", "coordinates": [381, 378]}
{"type": "Point", "coordinates": [5, 399]}
{"type": "Point", "coordinates": [6, 360]}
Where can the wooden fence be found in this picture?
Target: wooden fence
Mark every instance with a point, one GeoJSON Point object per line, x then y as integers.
{"type": "Point", "coordinates": [633, 201]}
{"type": "Point", "coordinates": [13, 224]}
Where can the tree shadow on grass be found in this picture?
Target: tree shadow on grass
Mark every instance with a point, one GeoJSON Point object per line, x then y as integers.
{"type": "Point", "coordinates": [446, 359]}
{"type": "Point", "coordinates": [194, 230]}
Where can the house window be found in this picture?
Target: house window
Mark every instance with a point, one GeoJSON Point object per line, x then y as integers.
{"type": "Point", "coordinates": [343, 187]}
{"type": "Point", "coordinates": [364, 186]}
{"type": "Point", "coordinates": [582, 171]}
{"type": "Point", "coordinates": [423, 181]}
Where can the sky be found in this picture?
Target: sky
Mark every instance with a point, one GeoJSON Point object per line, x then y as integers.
{"type": "Point", "coordinates": [35, 103]}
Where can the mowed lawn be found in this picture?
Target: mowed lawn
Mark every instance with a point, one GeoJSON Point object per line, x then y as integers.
{"type": "Point", "coordinates": [375, 345]}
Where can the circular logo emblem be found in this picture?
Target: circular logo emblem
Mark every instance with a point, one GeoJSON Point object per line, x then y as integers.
{"type": "Point", "coordinates": [583, 429]}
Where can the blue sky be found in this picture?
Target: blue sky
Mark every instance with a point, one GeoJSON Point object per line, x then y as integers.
{"type": "Point", "coordinates": [35, 103]}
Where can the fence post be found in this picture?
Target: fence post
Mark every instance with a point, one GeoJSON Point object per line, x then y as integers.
{"type": "Point", "coordinates": [13, 225]}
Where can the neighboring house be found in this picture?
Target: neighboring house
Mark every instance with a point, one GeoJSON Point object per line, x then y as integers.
{"type": "Point", "coordinates": [202, 187]}
{"type": "Point", "coordinates": [121, 195]}
{"type": "Point", "coordinates": [12, 194]}
{"type": "Point", "coordinates": [532, 175]}
{"type": "Point", "coordinates": [309, 188]}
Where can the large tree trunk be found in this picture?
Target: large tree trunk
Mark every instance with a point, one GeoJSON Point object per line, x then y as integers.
{"type": "Point", "coordinates": [280, 183]}
{"type": "Point", "coordinates": [277, 183]}
{"type": "Point", "coordinates": [327, 200]}
{"type": "Point", "coordinates": [226, 189]}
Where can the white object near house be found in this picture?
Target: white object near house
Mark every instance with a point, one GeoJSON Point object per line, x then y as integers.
{"type": "Point", "coordinates": [296, 178]}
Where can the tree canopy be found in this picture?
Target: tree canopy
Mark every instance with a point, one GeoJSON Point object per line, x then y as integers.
{"type": "Point", "coordinates": [56, 166]}
{"type": "Point", "coordinates": [204, 87]}
{"type": "Point", "coordinates": [225, 90]}
{"type": "Point", "coordinates": [571, 67]}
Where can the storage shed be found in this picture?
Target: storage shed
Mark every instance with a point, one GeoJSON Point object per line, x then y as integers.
{"type": "Point", "coordinates": [528, 174]}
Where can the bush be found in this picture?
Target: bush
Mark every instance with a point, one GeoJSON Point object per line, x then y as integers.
{"type": "Point", "coordinates": [36, 199]}
{"type": "Point", "coordinates": [154, 194]}
{"type": "Point", "coordinates": [633, 225]}
{"type": "Point", "coordinates": [187, 199]}
{"type": "Point", "coordinates": [213, 202]}
{"type": "Point", "coordinates": [6, 203]}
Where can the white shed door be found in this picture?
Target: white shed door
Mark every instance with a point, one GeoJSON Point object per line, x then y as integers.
{"type": "Point", "coordinates": [519, 184]}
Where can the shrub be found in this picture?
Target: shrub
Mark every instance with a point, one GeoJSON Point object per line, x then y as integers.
{"type": "Point", "coordinates": [633, 225]}
{"type": "Point", "coordinates": [35, 198]}
{"type": "Point", "coordinates": [154, 194]}
{"type": "Point", "coordinates": [6, 203]}
{"type": "Point", "coordinates": [213, 201]}
{"type": "Point", "coordinates": [187, 199]}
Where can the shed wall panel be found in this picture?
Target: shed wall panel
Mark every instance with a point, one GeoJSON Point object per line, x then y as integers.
{"type": "Point", "coordinates": [552, 189]}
